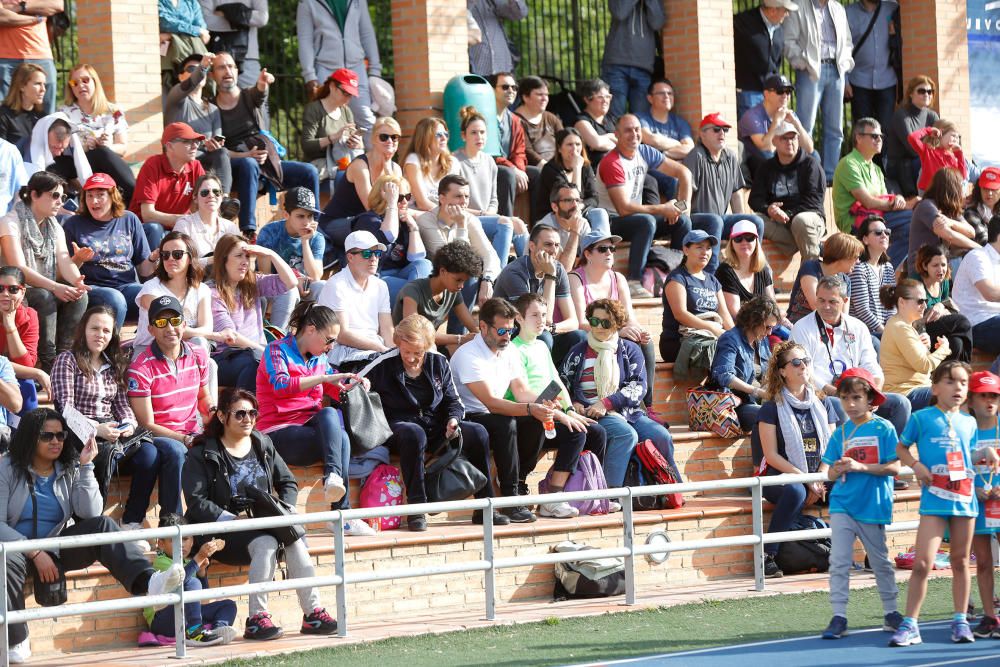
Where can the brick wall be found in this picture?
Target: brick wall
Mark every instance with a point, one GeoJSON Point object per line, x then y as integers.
{"type": "Point", "coordinates": [121, 40]}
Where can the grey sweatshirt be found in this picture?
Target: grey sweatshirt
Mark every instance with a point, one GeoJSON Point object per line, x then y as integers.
{"type": "Point", "coordinates": [632, 37]}
{"type": "Point", "coordinates": [321, 42]}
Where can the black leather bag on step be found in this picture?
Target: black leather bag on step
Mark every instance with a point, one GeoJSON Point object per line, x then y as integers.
{"type": "Point", "coordinates": [364, 419]}
{"type": "Point", "coordinates": [451, 476]}
{"type": "Point", "coordinates": [266, 505]}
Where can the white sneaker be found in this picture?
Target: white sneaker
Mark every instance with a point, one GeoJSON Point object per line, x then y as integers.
{"type": "Point", "coordinates": [359, 528]}
{"type": "Point", "coordinates": [334, 487]}
{"type": "Point", "coordinates": [19, 653]}
{"type": "Point", "coordinates": [165, 581]}
{"type": "Point", "coordinates": [142, 544]}
{"type": "Point", "coordinates": [558, 510]}
{"type": "Point", "coordinates": [227, 632]}
{"type": "Point", "coordinates": [614, 506]}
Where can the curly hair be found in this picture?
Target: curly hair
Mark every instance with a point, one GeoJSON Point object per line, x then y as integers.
{"type": "Point", "coordinates": [25, 441]}
{"type": "Point", "coordinates": [614, 309]}
{"type": "Point", "coordinates": [773, 382]}
{"type": "Point", "coordinates": [756, 312]}
{"type": "Point", "coordinates": [925, 254]}
{"type": "Point", "coordinates": [457, 257]}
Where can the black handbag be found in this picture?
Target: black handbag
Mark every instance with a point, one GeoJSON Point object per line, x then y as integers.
{"type": "Point", "coordinates": [451, 476]}
{"type": "Point", "coordinates": [110, 455]}
{"type": "Point", "coordinates": [51, 593]}
{"type": "Point", "coordinates": [364, 419]}
{"type": "Point", "coordinates": [266, 505]}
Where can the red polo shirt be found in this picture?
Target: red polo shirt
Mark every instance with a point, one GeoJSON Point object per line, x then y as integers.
{"type": "Point", "coordinates": [169, 191]}
{"type": "Point", "coordinates": [26, 323]}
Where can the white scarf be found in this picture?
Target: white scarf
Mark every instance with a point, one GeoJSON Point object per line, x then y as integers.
{"type": "Point", "coordinates": [791, 433]}
{"type": "Point", "coordinates": [607, 375]}
{"type": "Point", "coordinates": [41, 156]}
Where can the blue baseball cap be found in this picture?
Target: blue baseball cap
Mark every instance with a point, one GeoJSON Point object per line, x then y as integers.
{"type": "Point", "coordinates": [697, 236]}
{"type": "Point", "coordinates": [596, 236]}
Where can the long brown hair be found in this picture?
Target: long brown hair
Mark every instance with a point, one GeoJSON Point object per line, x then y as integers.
{"type": "Point", "coordinates": [194, 271]}
{"type": "Point", "coordinates": [945, 191]}
{"type": "Point", "coordinates": [18, 81]}
{"type": "Point", "coordinates": [244, 293]}
{"type": "Point", "coordinates": [773, 382]}
{"type": "Point", "coordinates": [116, 356]}
{"type": "Point", "coordinates": [420, 145]}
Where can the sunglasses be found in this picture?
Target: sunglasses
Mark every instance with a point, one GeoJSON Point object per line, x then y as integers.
{"type": "Point", "coordinates": [162, 322]}
{"type": "Point", "coordinates": [58, 196]}
{"type": "Point", "coordinates": [240, 415]}
{"type": "Point", "coordinates": [76, 82]}
{"type": "Point", "coordinates": [599, 322]}
{"type": "Point", "coordinates": [173, 254]}
{"type": "Point", "coordinates": [504, 331]}
{"type": "Point", "coordinates": [215, 192]}
{"type": "Point", "coordinates": [718, 130]}
{"type": "Point", "coordinates": [876, 136]}
{"type": "Point", "coordinates": [570, 200]}
{"type": "Point", "coordinates": [880, 232]}
{"type": "Point", "coordinates": [331, 341]}
{"type": "Point", "coordinates": [404, 198]}
{"type": "Point", "coordinates": [744, 238]}
{"type": "Point", "coordinates": [188, 142]}
{"type": "Point", "coordinates": [11, 289]}
{"type": "Point", "coordinates": [49, 436]}
{"type": "Point", "coordinates": [798, 361]}
{"type": "Point", "coordinates": [922, 302]}
{"type": "Point", "coordinates": [924, 91]}
{"type": "Point", "coordinates": [368, 254]}
{"type": "Point", "coordinates": [388, 137]}
{"type": "Point", "coordinates": [606, 248]}
{"type": "Point", "coordinates": [441, 135]}
{"type": "Point", "coordinates": [509, 86]}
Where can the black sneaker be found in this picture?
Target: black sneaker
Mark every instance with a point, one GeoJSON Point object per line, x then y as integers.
{"type": "Point", "coordinates": [836, 629]}
{"type": "Point", "coordinates": [520, 514]}
{"type": "Point", "coordinates": [987, 627]}
{"type": "Point", "coordinates": [261, 627]}
{"type": "Point", "coordinates": [318, 623]}
{"type": "Point", "coordinates": [771, 569]}
{"type": "Point", "coordinates": [417, 523]}
{"type": "Point", "coordinates": [199, 636]}
{"type": "Point", "coordinates": [899, 485]}
{"type": "Point", "coordinates": [498, 518]}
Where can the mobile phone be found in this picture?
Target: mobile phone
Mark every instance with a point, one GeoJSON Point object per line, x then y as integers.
{"type": "Point", "coordinates": [549, 393]}
{"type": "Point", "coordinates": [71, 205]}
{"type": "Point", "coordinates": [219, 139]}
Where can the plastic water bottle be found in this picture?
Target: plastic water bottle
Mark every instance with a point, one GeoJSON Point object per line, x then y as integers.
{"type": "Point", "coordinates": [550, 427]}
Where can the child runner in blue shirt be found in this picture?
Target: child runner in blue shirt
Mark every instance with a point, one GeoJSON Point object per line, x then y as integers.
{"type": "Point", "coordinates": [984, 397]}
{"type": "Point", "coordinates": [945, 439]}
{"type": "Point", "coordinates": [862, 459]}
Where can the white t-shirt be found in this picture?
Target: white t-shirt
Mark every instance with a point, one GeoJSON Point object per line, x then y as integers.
{"type": "Point", "coordinates": [204, 241]}
{"type": "Point", "coordinates": [475, 362]}
{"type": "Point", "coordinates": [428, 186]}
{"type": "Point", "coordinates": [190, 304]}
{"type": "Point", "coordinates": [617, 171]}
{"type": "Point", "coordinates": [979, 264]}
{"type": "Point", "coordinates": [342, 293]}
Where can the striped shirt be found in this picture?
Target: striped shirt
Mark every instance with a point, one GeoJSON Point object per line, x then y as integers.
{"type": "Point", "coordinates": [588, 387]}
{"type": "Point", "coordinates": [282, 402]}
{"type": "Point", "coordinates": [97, 397]}
{"type": "Point", "coordinates": [171, 386]}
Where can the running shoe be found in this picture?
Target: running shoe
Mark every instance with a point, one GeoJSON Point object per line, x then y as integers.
{"type": "Point", "coordinates": [961, 633]}
{"type": "Point", "coordinates": [261, 627]}
{"type": "Point", "coordinates": [333, 487]}
{"type": "Point", "coordinates": [908, 634]}
{"type": "Point", "coordinates": [771, 569]}
{"type": "Point", "coordinates": [199, 636]}
{"type": "Point", "coordinates": [318, 623]}
{"type": "Point", "coordinates": [987, 626]}
{"type": "Point", "coordinates": [836, 629]}
{"type": "Point", "coordinates": [558, 510]}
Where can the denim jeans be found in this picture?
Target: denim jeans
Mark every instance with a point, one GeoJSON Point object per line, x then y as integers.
{"type": "Point", "coordinates": [120, 299]}
{"type": "Point", "coordinates": [322, 438]}
{"type": "Point", "coordinates": [874, 103]}
{"type": "Point", "coordinates": [622, 439]}
{"type": "Point", "coordinates": [29, 396]}
{"type": "Point", "coordinates": [826, 95]}
{"type": "Point", "coordinates": [246, 179]}
{"type": "Point", "coordinates": [396, 279]}
{"type": "Point", "coordinates": [746, 99]}
{"type": "Point", "coordinates": [919, 398]}
{"type": "Point", "coordinates": [898, 223]}
{"type": "Point", "coordinates": [154, 234]}
{"type": "Point", "coordinates": [628, 84]}
{"type": "Point", "coordinates": [282, 305]}
{"type": "Point", "coordinates": [57, 323]}
{"type": "Point", "coordinates": [986, 335]}
{"type": "Point", "coordinates": [501, 236]}
{"type": "Point", "coordinates": [712, 225]}
{"type": "Point", "coordinates": [163, 460]}
{"type": "Point", "coordinates": [7, 67]}
{"type": "Point", "coordinates": [788, 500]}
{"type": "Point", "coordinates": [216, 613]}
{"type": "Point", "coordinates": [639, 229]}
{"type": "Point", "coordinates": [237, 368]}
{"type": "Point", "coordinates": [726, 222]}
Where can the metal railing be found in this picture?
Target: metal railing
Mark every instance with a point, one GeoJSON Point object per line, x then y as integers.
{"type": "Point", "coordinates": [488, 564]}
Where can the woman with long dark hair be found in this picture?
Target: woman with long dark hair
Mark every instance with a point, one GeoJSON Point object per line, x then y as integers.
{"type": "Point", "coordinates": [938, 218]}
{"type": "Point", "coordinates": [942, 317]}
{"type": "Point", "coordinates": [19, 342]}
{"type": "Point", "coordinates": [24, 104]}
{"type": "Point", "coordinates": [47, 489]}
{"type": "Point", "coordinates": [230, 456]}
{"type": "Point", "coordinates": [570, 164]}
{"type": "Point", "coordinates": [984, 202]}
{"type": "Point", "coordinates": [870, 274]}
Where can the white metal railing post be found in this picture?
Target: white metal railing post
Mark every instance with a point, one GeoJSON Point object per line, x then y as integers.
{"type": "Point", "coordinates": [757, 507]}
{"type": "Point", "coordinates": [339, 568]}
{"type": "Point", "coordinates": [489, 575]}
{"type": "Point", "coordinates": [5, 643]}
{"type": "Point", "coordinates": [180, 622]}
{"type": "Point", "coordinates": [628, 528]}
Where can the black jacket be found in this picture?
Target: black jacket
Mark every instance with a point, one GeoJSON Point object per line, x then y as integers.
{"type": "Point", "coordinates": [206, 481]}
{"type": "Point", "coordinates": [387, 377]}
{"type": "Point", "coordinates": [800, 186]}
{"type": "Point", "coordinates": [757, 54]}
{"type": "Point", "coordinates": [973, 217]}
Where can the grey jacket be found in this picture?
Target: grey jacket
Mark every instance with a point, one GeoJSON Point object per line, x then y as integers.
{"type": "Point", "coordinates": [258, 19]}
{"type": "Point", "coordinates": [76, 490]}
{"type": "Point", "coordinates": [632, 37]}
{"type": "Point", "coordinates": [803, 41]}
{"type": "Point", "coordinates": [322, 44]}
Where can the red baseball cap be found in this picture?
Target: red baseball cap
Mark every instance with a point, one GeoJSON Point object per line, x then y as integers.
{"type": "Point", "coordinates": [715, 119]}
{"type": "Point", "coordinates": [179, 131]}
{"type": "Point", "coordinates": [867, 377]}
{"type": "Point", "coordinates": [100, 181]}
{"type": "Point", "coordinates": [347, 79]}
{"type": "Point", "coordinates": [984, 382]}
{"type": "Point", "coordinates": [990, 178]}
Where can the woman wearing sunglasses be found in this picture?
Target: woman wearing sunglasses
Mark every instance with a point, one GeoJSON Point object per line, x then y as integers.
{"type": "Point", "coordinates": [329, 134]}
{"type": "Point", "coordinates": [606, 379]}
{"type": "Point", "coordinates": [41, 465]}
{"type": "Point", "coordinates": [19, 342]}
{"type": "Point", "coordinates": [24, 103]}
{"type": "Point", "coordinates": [870, 274]}
{"type": "Point", "coordinates": [349, 199]}
{"type": "Point", "coordinates": [388, 218]}
{"type": "Point", "coordinates": [231, 455]}
{"type": "Point", "coordinates": [428, 160]}
{"type": "Point", "coordinates": [292, 379]}
{"type": "Point", "coordinates": [205, 226]}
{"type": "Point", "coordinates": [101, 125]}
{"type": "Point", "coordinates": [236, 306]}
{"type": "Point", "coordinates": [906, 356]}
{"type": "Point", "coordinates": [744, 272]}
{"type": "Point", "coordinates": [902, 162]}
{"type": "Point", "coordinates": [794, 424]}
{"type": "Point", "coordinates": [32, 240]}
{"type": "Point", "coordinates": [942, 317]}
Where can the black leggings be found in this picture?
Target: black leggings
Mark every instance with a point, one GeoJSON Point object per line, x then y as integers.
{"type": "Point", "coordinates": [957, 329]}
{"type": "Point", "coordinates": [101, 159]}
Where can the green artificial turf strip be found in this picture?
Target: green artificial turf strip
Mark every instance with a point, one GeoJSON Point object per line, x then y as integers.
{"type": "Point", "coordinates": [560, 641]}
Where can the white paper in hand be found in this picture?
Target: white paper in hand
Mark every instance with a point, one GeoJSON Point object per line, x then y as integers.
{"type": "Point", "coordinates": [83, 428]}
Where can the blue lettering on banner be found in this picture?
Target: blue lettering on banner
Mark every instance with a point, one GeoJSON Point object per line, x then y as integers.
{"type": "Point", "coordinates": [983, 28]}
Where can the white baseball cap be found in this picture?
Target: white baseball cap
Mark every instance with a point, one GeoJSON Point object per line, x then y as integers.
{"type": "Point", "coordinates": [743, 227]}
{"type": "Point", "coordinates": [361, 240]}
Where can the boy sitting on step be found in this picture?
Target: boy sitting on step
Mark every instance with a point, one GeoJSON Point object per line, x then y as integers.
{"type": "Point", "coordinates": [207, 624]}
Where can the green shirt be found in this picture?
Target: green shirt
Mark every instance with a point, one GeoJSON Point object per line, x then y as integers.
{"type": "Point", "coordinates": [539, 370]}
{"type": "Point", "coordinates": [854, 172]}
{"type": "Point", "coordinates": [339, 9]}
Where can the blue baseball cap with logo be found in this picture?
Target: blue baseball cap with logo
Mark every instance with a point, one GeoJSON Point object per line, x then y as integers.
{"type": "Point", "coordinates": [697, 236]}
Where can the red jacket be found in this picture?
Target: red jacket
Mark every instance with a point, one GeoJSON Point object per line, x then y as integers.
{"type": "Point", "coordinates": [932, 159]}
{"type": "Point", "coordinates": [26, 322]}
{"type": "Point", "coordinates": [518, 143]}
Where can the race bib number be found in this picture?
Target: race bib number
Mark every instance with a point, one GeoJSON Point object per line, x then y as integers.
{"type": "Point", "coordinates": [863, 450]}
{"type": "Point", "coordinates": [952, 490]}
{"type": "Point", "coordinates": [992, 513]}
{"type": "Point", "coordinates": [956, 466]}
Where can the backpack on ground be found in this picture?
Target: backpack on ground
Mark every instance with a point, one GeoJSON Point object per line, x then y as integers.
{"type": "Point", "coordinates": [805, 556]}
{"type": "Point", "coordinates": [656, 470]}
{"type": "Point", "coordinates": [588, 476]}
{"type": "Point", "coordinates": [383, 488]}
{"type": "Point", "coordinates": [634, 477]}
{"type": "Point", "coordinates": [591, 578]}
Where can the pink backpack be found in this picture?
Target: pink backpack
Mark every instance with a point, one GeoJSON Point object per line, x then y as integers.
{"type": "Point", "coordinates": [383, 488]}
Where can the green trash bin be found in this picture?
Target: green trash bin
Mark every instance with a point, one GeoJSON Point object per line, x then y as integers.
{"type": "Point", "coordinates": [462, 91]}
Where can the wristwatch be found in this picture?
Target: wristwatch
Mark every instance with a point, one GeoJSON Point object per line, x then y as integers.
{"type": "Point", "coordinates": [23, 7]}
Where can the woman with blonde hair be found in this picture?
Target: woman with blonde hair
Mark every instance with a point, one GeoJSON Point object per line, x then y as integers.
{"type": "Point", "coordinates": [744, 272]}
{"type": "Point", "coordinates": [428, 161]}
{"type": "Point", "coordinates": [24, 103]}
{"type": "Point", "coordinates": [351, 195]}
{"type": "Point", "coordinates": [840, 253]}
{"type": "Point", "coordinates": [101, 125]}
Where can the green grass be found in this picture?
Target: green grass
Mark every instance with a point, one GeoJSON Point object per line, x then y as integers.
{"type": "Point", "coordinates": [560, 641]}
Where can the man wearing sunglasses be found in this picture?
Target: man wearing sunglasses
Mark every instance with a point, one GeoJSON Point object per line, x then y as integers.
{"type": "Point", "coordinates": [512, 164]}
{"type": "Point", "coordinates": [757, 127]}
{"type": "Point", "coordinates": [167, 389]}
{"type": "Point", "coordinates": [835, 341]}
{"type": "Point", "coordinates": [164, 188]}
